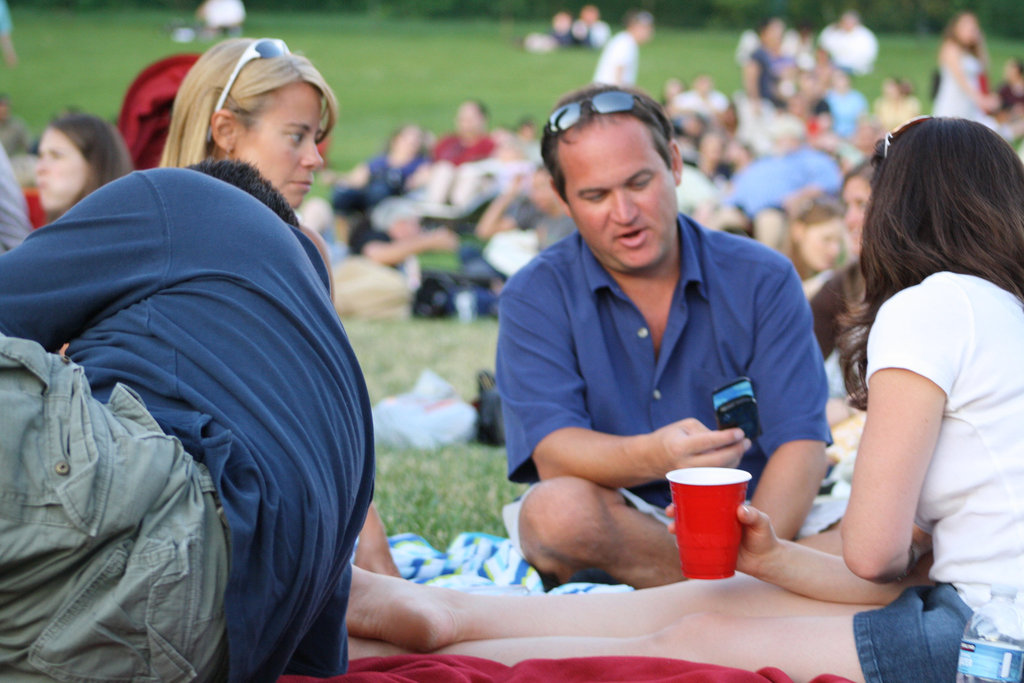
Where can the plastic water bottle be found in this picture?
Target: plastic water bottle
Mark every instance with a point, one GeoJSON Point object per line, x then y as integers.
{"type": "Point", "coordinates": [465, 305]}
{"type": "Point", "coordinates": [992, 649]}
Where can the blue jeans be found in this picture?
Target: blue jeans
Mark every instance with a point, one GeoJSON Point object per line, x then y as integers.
{"type": "Point", "coordinates": [914, 638]}
{"type": "Point", "coordinates": [113, 552]}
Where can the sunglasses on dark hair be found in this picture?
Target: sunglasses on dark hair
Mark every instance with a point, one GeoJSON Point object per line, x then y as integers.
{"type": "Point", "coordinates": [264, 48]}
{"type": "Point", "coordinates": [893, 135]}
{"type": "Point", "coordinates": [608, 102]}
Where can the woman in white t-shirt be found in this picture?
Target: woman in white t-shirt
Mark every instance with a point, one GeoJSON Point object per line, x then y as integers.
{"type": "Point", "coordinates": [936, 512]}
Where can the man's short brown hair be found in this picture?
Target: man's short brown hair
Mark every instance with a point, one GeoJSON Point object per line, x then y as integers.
{"type": "Point", "coordinates": [645, 109]}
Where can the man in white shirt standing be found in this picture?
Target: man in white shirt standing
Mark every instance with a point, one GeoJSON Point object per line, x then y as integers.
{"type": "Point", "coordinates": [851, 45]}
{"type": "Point", "coordinates": [621, 56]}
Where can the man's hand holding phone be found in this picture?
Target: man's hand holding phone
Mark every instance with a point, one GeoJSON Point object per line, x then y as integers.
{"type": "Point", "coordinates": [689, 443]}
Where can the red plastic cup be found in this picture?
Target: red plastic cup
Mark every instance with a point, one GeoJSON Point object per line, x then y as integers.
{"type": "Point", "coordinates": [707, 529]}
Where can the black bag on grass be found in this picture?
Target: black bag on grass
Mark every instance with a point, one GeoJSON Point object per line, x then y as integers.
{"type": "Point", "coordinates": [435, 297]}
{"type": "Point", "coordinates": [490, 424]}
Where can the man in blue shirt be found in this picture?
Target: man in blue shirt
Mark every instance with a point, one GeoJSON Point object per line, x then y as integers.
{"type": "Point", "coordinates": [765, 189]}
{"type": "Point", "coordinates": [216, 313]}
{"type": "Point", "coordinates": [612, 341]}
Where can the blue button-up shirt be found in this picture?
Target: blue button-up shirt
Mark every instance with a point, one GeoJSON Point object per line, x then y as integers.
{"type": "Point", "coordinates": [767, 182]}
{"type": "Point", "coordinates": [574, 351]}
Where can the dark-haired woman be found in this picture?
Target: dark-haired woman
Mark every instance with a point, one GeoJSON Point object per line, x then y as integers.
{"type": "Point", "coordinates": [937, 507]}
{"type": "Point", "coordinates": [78, 153]}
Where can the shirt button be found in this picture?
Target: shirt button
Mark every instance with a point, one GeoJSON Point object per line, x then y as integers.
{"type": "Point", "coordinates": [657, 395]}
{"type": "Point", "coordinates": [643, 332]}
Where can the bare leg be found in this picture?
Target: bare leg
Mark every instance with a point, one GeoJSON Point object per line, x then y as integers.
{"type": "Point", "coordinates": [413, 617]}
{"type": "Point", "coordinates": [373, 552]}
{"type": "Point", "coordinates": [439, 183]}
{"type": "Point", "coordinates": [424, 618]}
{"type": "Point", "coordinates": [598, 530]}
{"type": "Point", "coordinates": [468, 183]}
{"type": "Point", "coordinates": [803, 647]}
{"type": "Point", "coordinates": [770, 228]}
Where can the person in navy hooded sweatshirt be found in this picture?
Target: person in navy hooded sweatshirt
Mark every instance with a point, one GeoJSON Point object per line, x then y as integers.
{"type": "Point", "coordinates": [183, 489]}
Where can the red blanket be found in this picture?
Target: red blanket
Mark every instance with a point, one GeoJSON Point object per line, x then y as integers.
{"type": "Point", "coordinates": [462, 669]}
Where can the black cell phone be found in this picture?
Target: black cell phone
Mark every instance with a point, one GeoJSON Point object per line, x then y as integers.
{"type": "Point", "coordinates": [735, 406]}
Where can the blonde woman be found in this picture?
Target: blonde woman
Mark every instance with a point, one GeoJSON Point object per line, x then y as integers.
{"type": "Point", "coordinates": [271, 110]}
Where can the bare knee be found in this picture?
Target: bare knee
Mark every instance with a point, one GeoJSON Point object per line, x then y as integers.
{"type": "Point", "coordinates": [561, 507]}
{"type": "Point", "coordinates": [562, 516]}
{"type": "Point", "coordinates": [685, 634]}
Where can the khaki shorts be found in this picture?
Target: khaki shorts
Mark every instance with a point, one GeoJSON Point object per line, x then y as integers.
{"type": "Point", "coordinates": [510, 513]}
{"type": "Point", "coordinates": [113, 552]}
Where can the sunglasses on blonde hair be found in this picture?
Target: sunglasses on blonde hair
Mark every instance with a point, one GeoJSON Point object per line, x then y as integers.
{"type": "Point", "coordinates": [264, 48]}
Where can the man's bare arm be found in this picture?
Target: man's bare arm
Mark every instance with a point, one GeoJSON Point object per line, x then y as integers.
{"type": "Point", "coordinates": [623, 461]}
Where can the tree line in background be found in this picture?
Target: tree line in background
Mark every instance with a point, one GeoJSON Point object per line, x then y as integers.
{"type": "Point", "coordinates": [998, 17]}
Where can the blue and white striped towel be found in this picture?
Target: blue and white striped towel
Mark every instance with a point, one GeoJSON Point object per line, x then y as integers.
{"type": "Point", "coordinates": [477, 562]}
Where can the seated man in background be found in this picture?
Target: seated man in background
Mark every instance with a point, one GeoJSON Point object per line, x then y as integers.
{"type": "Point", "coordinates": [520, 222]}
{"type": "Point", "coordinates": [763, 192]}
{"type": "Point", "coordinates": [405, 237]}
{"type": "Point", "coordinates": [230, 544]}
{"type": "Point", "coordinates": [612, 341]}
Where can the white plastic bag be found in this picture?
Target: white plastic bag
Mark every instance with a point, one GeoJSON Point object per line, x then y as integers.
{"type": "Point", "coordinates": [429, 416]}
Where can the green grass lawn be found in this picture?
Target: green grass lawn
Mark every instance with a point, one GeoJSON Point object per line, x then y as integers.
{"type": "Point", "coordinates": [434, 493]}
{"type": "Point", "coordinates": [386, 73]}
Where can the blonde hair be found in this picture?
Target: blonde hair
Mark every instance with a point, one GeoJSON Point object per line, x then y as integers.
{"type": "Point", "coordinates": [187, 140]}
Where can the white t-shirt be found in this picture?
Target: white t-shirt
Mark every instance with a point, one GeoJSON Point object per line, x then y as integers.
{"type": "Point", "coordinates": [715, 103]}
{"type": "Point", "coordinates": [621, 51]}
{"type": "Point", "coordinates": [595, 35]}
{"type": "Point", "coordinates": [223, 13]}
{"type": "Point", "coordinates": [967, 336]}
{"type": "Point", "coordinates": [855, 50]}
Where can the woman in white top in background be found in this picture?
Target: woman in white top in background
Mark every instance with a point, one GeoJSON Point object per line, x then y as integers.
{"type": "Point", "coordinates": [963, 81]}
{"type": "Point", "coordinates": [936, 512]}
